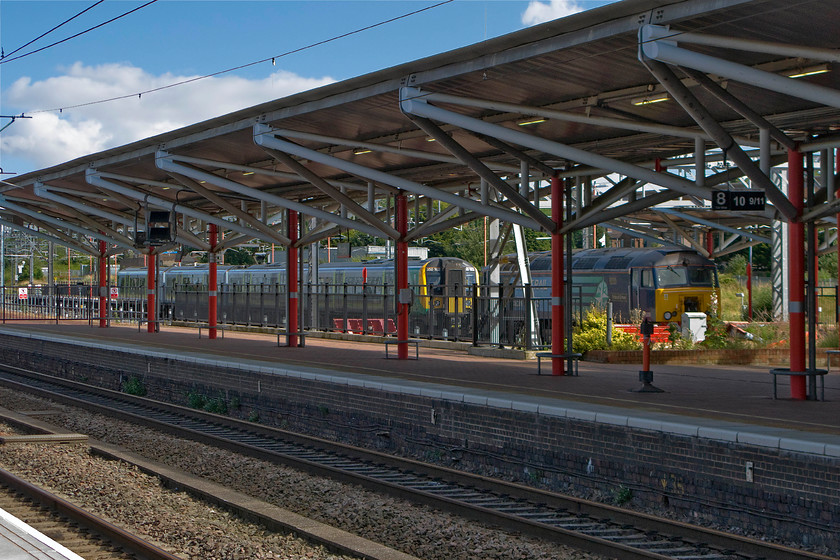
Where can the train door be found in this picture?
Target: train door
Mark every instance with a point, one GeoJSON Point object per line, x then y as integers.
{"type": "Point", "coordinates": [635, 283]}
{"type": "Point", "coordinates": [455, 289]}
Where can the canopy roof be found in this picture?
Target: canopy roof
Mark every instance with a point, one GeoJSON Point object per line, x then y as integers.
{"type": "Point", "coordinates": [338, 153]}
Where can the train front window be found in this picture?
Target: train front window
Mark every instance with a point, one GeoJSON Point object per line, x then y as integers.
{"type": "Point", "coordinates": [672, 276]}
{"type": "Point", "coordinates": [433, 276]}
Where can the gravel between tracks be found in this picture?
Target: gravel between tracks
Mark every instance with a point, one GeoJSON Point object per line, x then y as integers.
{"type": "Point", "coordinates": [196, 531]}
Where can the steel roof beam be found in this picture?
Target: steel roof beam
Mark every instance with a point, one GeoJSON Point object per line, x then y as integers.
{"type": "Point", "coordinates": [484, 172]}
{"type": "Point", "coordinates": [251, 221]}
{"type": "Point", "coordinates": [616, 211]}
{"type": "Point", "coordinates": [336, 194]}
{"type": "Point", "coordinates": [68, 239]}
{"type": "Point", "coordinates": [50, 238]}
{"type": "Point", "coordinates": [45, 191]}
{"type": "Point", "coordinates": [518, 154]}
{"type": "Point", "coordinates": [751, 45]}
{"type": "Point", "coordinates": [264, 136]}
{"type": "Point", "coordinates": [653, 47]}
{"type": "Point", "coordinates": [722, 138]}
{"type": "Point", "coordinates": [737, 105]}
{"type": "Point", "coordinates": [412, 102]}
{"type": "Point", "coordinates": [6, 203]}
{"type": "Point", "coordinates": [350, 144]}
{"type": "Point", "coordinates": [427, 227]}
{"type": "Point", "coordinates": [259, 170]}
{"type": "Point", "coordinates": [93, 177]}
{"type": "Point", "coordinates": [704, 222]}
{"type": "Point", "coordinates": [685, 235]}
{"type": "Point", "coordinates": [737, 247]}
{"type": "Point", "coordinates": [655, 238]}
{"type": "Point", "coordinates": [167, 162]}
{"type": "Point", "coordinates": [607, 122]}
{"type": "Point", "coordinates": [613, 194]}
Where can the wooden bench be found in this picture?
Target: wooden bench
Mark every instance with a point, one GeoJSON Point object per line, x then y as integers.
{"type": "Point", "coordinates": [414, 342]}
{"type": "Point", "coordinates": [814, 373]}
{"type": "Point", "coordinates": [573, 358]}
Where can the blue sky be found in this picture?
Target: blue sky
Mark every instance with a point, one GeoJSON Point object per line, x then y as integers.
{"type": "Point", "coordinates": [171, 40]}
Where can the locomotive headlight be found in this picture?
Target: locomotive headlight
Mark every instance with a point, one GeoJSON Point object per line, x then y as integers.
{"type": "Point", "coordinates": [667, 315]}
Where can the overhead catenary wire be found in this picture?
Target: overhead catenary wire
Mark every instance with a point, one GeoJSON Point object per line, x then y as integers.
{"type": "Point", "coordinates": [7, 59]}
{"type": "Point", "coordinates": [271, 59]}
{"type": "Point", "coordinates": [42, 35]}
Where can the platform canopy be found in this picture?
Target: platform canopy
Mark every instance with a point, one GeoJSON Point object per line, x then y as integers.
{"type": "Point", "coordinates": [643, 94]}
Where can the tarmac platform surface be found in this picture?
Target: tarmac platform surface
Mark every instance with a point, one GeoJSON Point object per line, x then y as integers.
{"type": "Point", "coordinates": [734, 402]}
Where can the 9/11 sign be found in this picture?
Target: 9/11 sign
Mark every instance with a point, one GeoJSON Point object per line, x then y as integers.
{"type": "Point", "coordinates": [738, 200]}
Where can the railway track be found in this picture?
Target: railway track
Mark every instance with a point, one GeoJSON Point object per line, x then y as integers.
{"type": "Point", "coordinates": [590, 526]}
{"type": "Point", "coordinates": [85, 534]}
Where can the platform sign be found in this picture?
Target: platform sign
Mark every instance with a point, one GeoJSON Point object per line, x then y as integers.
{"type": "Point", "coordinates": [750, 201]}
{"type": "Point", "coordinates": [115, 292]}
{"type": "Point", "coordinates": [23, 293]}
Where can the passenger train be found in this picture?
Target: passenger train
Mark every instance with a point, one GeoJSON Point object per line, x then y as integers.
{"type": "Point", "coordinates": [664, 282]}
{"type": "Point", "coordinates": [440, 286]}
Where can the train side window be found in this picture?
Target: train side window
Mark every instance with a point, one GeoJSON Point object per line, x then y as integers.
{"type": "Point", "coordinates": [647, 278]}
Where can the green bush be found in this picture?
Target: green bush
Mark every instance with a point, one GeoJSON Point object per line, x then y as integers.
{"type": "Point", "coordinates": [134, 386]}
{"type": "Point", "coordinates": [591, 334]}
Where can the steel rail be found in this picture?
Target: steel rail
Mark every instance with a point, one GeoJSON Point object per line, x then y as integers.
{"type": "Point", "coordinates": [123, 539]}
{"type": "Point", "coordinates": [516, 507]}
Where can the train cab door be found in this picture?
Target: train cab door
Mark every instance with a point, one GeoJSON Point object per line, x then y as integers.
{"type": "Point", "coordinates": [455, 289]}
{"type": "Point", "coordinates": [635, 283]}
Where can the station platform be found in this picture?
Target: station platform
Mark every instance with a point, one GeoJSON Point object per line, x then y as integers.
{"type": "Point", "coordinates": [19, 541]}
{"type": "Point", "coordinates": [725, 402]}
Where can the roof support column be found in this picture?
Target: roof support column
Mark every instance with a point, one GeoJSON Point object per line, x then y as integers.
{"type": "Point", "coordinates": [150, 291]}
{"type": "Point", "coordinates": [796, 278]}
{"type": "Point", "coordinates": [558, 331]}
{"type": "Point", "coordinates": [213, 281]}
{"type": "Point", "coordinates": [103, 268]}
{"type": "Point", "coordinates": [292, 280]}
{"type": "Point", "coordinates": [403, 292]}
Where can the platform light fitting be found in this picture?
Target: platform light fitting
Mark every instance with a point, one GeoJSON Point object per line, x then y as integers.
{"type": "Point", "coordinates": [649, 100]}
{"type": "Point", "coordinates": [810, 71]}
{"type": "Point", "coordinates": [530, 122]}
{"type": "Point", "coordinates": [360, 151]}
{"type": "Point", "coordinates": [248, 172]}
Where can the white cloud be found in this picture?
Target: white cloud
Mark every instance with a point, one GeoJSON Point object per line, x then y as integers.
{"type": "Point", "coordinates": [50, 138]}
{"type": "Point", "coordinates": [540, 12]}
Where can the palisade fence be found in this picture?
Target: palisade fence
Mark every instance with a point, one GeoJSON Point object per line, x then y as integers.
{"type": "Point", "coordinates": [474, 314]}
{"type": "Point", "coordinates": [482, 315]}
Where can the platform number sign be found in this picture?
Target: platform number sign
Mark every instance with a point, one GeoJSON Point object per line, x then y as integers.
{"type": "Point", "coordinates": [738, 200]}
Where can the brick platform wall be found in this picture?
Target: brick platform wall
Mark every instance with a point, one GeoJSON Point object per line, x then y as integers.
{"type": "Point", "coordinates": [697, 479]}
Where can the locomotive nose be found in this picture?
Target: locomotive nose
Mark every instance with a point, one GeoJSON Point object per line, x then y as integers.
{"type": "Point", "coordinates": [691, 304]}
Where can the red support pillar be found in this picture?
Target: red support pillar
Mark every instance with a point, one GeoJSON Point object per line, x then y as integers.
{"type": "Point", "coordinates": [213, 283]}
{"type": "Point", "coordinates": [558, 330]}
{"type": "Point", "coordinates": [796, 275]}
{"type": "Point", "coordinates": [150, 291]}
{"type": "Point", "coordinates": [292, 279]}
{"type": "Point", "coordinates": [710, 243]}
{"type": "Point", "coordinates": [401, 223]}
{"type": "Point", "coordinates": [103, 273]}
